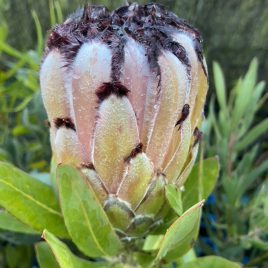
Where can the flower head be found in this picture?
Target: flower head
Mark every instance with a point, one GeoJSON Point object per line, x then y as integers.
{"type": "Point", "coordinates": [124, 92]}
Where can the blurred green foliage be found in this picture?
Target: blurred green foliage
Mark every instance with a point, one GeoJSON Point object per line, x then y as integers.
{"type": "Point", "coordinates": [23, 135]}
{"type": "Point", "coordinates": [239, 227]}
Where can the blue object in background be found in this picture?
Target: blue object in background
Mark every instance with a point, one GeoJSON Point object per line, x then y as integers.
{"type": "Point", "coordinates": [245, 260]}
{"type": "Point", "coordinates": [211, 200]}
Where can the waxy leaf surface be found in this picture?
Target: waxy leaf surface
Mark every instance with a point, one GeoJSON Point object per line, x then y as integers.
{"type": "Point", "coordinates": [181, 235]}
{"type": "Point", "coordinates": [64, 257]}
{"type": "Point", "coordinates": [200, 182]}
{"type": "Point", "coordinates": [30, 201]}
{"type": "Point", "coordinates": [85, 219]}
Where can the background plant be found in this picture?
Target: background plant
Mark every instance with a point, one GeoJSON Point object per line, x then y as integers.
{"type": "Point", "coordinates": [233, 220]}
{"type": "Point", "coordinates": [22, 115]}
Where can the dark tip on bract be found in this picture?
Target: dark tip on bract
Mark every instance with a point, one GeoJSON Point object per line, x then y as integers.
{"type": "Point", "coordinates": [107, 89]}
{"type": "Point", "coordinates": [160, 173]}
{"type": "Point", "coordinates": [184, 114]}
{"type": "Point", "coordinates": [88, 166]}
{"type": "Point", "coordinates": [64, 122]}
{"type": "Point", "coordinates": [150, 25]}
{"type": "Point", "coordinates": [134, 152]}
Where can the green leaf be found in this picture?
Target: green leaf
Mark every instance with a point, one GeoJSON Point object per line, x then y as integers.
{"type": "Point", "coordinates": [4, 47]}
{"type": "Point", "coordinates": [214, 121]}
{"type": "Point", "coordinates": [52, 13]}
{"type": "Point", "coordinates": [259, 211]}
{"type": "Point", "coordinates": [253, 135]}
{"type": "Point", "coordinates": [85, 219]}
{"type": "Point", "coordinates": [3, 30]}
{"type": "Point", "coordinates": [45, 256]}
{"type": "Point", "coordinates": [39, 33]}
{"type": "Point", "coordinates": [248, 242]}
{"type": "Point", "coordinates": [152, 242]}
{"type": "Point", "coordinates": [188, 257]}
{"type": "Point", "coordinates": [10, 223]}
{"type": "Point", "coordinates": [144, 260]}
{"type": "Point", "coordinates": [181, 235]}
{"type": "Point", "coordinates": [173, 195]}
{"type": "Point", "coordinates": [200, 182]}
{"type": "Point", "coordinates": [220, 87]}
{"type": "Point", "coordinates": [58, 12]}
{"type": "Point", "coordinates": [53, 171]}
{"type": "Point", "coordinates": [64, 257]}
{"type": "Point", "coordinates": [210, 262]}
{"type": "Point", "coordinates": [29, 200]}
{"type": "Point", "coordinates": [23, 104]}
{"type": "Point", "coordinates": [250, 178]}
{"type": "Point", "coordinates": [255, 104]}
{"type": "Point", "coordinates": [245, 93]}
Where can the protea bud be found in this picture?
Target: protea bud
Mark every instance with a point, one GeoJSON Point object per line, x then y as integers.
{"type": "Point", "coordinates": [124, 93]}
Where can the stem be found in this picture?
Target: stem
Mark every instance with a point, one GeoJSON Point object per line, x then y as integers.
{"type": "Point", "coordinates": [230, 209]}
{"type": "Point", "coordinates": [200, 172]}
{"type": "Point", "coordinates": [231, 144]}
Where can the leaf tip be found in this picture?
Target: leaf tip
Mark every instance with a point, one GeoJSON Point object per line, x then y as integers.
{"type": "Point", "coordinates": [43, 236]}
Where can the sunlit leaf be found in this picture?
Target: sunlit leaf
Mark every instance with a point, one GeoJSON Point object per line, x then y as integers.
{"type": "Point", "coordinates": [210, 262]}
{"type": "Point", "coordinates": [152, 242]}
{"type": "Point", "coordinates": [64, 257]}
{"type": "Point", "coordinates": [181, 235]}
{"type": "Point", "coordinates": [85, 219]}
{"type": "Point", "coordinates": [29, 200]}
{"type": "Point", "coordinates": [45, 256]}
{"type": "Point", "coordinates": [10, 223]}
{"type": "Point", "coordinates": [144, 260]}
{"type": "Point", "coordinates": [173, 195]}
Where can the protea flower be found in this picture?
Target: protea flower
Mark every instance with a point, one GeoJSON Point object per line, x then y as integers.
{"type": "Point", "coordinates": [124, 92]}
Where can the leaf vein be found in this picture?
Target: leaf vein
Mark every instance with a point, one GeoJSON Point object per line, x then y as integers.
{"type": "Point", "coordinates": [89, 225]}
{"type": "Point", "coordinates": [31, 198]}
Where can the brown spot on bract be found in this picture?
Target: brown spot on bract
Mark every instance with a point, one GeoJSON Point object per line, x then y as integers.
{"type": "Point", "coordinates": [88, 166]}
{"type": "Point", "coordinates": [160, 172]}
{"type": "Point", "coordinates": [64, 122]}
{"type": "Point", "coordinates": [107, 89]}
{"type": "Point", "coordinates": [184, 114]}
{"type": "Point", "coordinates": [134, 152]}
